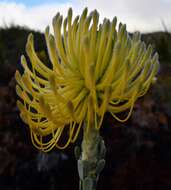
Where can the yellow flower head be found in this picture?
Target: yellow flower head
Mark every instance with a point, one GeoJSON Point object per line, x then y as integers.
{"type": "Point", "coordinates": [96, 68]}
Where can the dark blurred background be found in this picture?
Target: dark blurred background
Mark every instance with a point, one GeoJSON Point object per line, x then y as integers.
{"type": "Point", "coordinates": [138, 151]}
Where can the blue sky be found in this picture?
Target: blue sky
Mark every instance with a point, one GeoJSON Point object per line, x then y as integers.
{"type": "Point", "coordinates": [37, 2]}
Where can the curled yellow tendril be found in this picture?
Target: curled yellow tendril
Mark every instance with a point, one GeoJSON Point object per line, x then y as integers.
{"type": "Point", "coordinates": [96, 68]}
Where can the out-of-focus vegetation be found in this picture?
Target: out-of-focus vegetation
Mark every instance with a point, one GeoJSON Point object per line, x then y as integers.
{"type": "Point", "coordinates": [162, 43]}
{"type": "Point", "coordinates": [12, 46]}
{"type": "Point", "coordinates": [138, 156]}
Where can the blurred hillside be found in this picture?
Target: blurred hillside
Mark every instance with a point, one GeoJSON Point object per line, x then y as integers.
{"type": "Point", "coordinates": [138, 151]}
{"type": "Point", "coordinates": [12, 46]}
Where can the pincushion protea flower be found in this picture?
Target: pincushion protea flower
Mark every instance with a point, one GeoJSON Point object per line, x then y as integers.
{"type": "Point", "coordinates": [95, 69]}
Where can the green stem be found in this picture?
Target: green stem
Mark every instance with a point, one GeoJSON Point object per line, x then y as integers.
{"type": "Point", "coordinates": [90, 158]}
